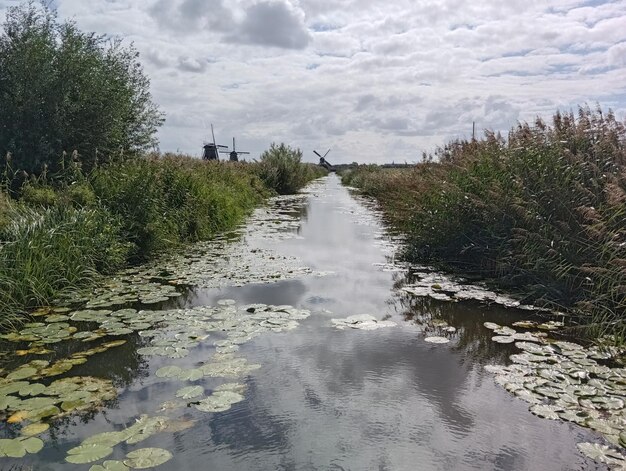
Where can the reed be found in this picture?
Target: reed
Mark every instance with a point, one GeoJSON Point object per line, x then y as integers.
{"type": "Point", "coordinates": [542, 212]}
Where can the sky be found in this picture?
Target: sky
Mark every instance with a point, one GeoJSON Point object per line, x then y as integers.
{"type": "Point", "coordinates": [374, 81]}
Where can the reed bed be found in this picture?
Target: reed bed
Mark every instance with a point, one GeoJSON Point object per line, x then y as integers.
{"type": "Point", "coordinates": [542, 212]}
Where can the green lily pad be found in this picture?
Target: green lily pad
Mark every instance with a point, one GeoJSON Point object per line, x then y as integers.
{"type": "Point", "coordinates": [109, 465]}
{"type": "Point", "coordinates": [600, 453]}
{"type": "Point", "coordinates": [108, 439]}
{"type": "Point", "coordinates": [168, 371]}
{"type": "Point", "coordinates": [147, 458]}
{"type": "Point", "coordinates": [32, 445]}
{"type": "Point", "coordinates": [12, 448]}
{"type": "Point", "coordinates": [83, 454]}
{"type": "Point", "coordinates": [546, 412]}
{"type": "Point", "coordinates": [190, 392]}
{"type": "Point", "coordinates": [9, 402]}
{"type": "Point", "coordinates": [22, 373]}
{"type": "Point", "coordinates": [34, 429]}
{"type": "Point", "coordinates": [33, 389]}
{"type": "Point", "coordinates": [191, 375]}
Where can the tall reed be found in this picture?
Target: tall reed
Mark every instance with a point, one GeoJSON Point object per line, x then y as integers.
{"type": "Point", "coordinates": [542, 212]}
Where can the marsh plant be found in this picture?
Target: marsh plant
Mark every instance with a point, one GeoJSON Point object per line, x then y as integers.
{"type": "Point", "coordinates": [60, 231]}
{"type": "Point", "coordinates": [542, 212]}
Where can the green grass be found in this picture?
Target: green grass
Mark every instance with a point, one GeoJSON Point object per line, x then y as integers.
{"type": "Point", "coordinates": [542, 213]}
{"type": "Point", "coordinates": [68, 229]}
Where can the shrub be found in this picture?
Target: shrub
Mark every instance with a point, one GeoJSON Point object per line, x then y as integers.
{"type": "Point", "coordinates": [281, 169]}
{"type": "Point", "coordinates": [62, 89]}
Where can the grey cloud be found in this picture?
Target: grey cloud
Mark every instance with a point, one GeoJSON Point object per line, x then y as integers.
{"type": "Point", "coordinates": [192, 16]}
{"type": "Point", "coordinates": [189, 64]}
{"type": "Point", "coordinates": [270, 23]}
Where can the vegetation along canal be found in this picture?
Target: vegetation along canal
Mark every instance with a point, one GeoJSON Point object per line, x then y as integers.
{"type": "Point", "coordinates": [239, 355]}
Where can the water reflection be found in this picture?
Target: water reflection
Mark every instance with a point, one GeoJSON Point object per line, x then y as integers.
{"type": "Point", "coordinates": [331, 399]}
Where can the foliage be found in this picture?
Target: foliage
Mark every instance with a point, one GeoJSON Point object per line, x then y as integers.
{"type": "Point", "coordinates": [281, 169]}
{"type": "Point", "coordinates": [543, 211]}
{"type": "Point", "coordinates": [62, 89]}
{"type": "Point", "coordinates": [47, 251]}
{"type": "Point", "coordinates": [165, 201]}
{"type": "Point", "coordinates": [70, 226]}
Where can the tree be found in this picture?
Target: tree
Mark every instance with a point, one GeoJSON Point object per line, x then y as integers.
{"type": "Point", "coordinates": [62, 89]}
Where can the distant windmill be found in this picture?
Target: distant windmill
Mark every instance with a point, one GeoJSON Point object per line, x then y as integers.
{"type": "Point", "coordinates": [234, 155]}
{"type": "Point", "coordinates": [212, 150]}
{"type": "Point", "coordinates": [323, 162]}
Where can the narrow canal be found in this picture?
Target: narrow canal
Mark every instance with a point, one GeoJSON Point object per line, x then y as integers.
{"type": "Point", "coordinates": [290, 391]}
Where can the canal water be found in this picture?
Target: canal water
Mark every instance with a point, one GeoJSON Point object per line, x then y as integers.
{"type": "Point", "coordinates": [322, 398]}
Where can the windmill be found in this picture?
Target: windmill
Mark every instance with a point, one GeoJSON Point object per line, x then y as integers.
{"type": "Point", "coordinates": [234, 155]}
{"type": "Point", "coordinates": [323, 162]}
{"type": "Point", "coordinates": [212, 150]}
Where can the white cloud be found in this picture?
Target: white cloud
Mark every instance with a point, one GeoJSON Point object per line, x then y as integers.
{"type": "Point", "coordinates": [362, 76]}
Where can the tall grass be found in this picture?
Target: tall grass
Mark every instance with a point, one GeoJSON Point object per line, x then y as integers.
{"type": "Point", "coordinates": [45, 252]}
{"type": "Point", "coordinates": [69, 228]}
{"type": "Point", "coordinates": [542, 212]}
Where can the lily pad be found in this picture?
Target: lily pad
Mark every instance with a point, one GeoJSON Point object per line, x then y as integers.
{"type": "Point", "coordinates": [83, 454]}
{"type": "Point", "coordinates": [109, 465]}
{"type": "Point", "coordinates": [32, 445]}
{"type": "Point", "coordinates": [600, 453]}
{"type": "Point", "coordinates": [147, 458]}
{"type": "Point", "coordinates": [546, 412]}
{"type": "Point", "coordinates": [169, 371]}
{"type": "Point", "coordinates": [34, 429]}
{"type": "Point", "coordinates": [12, 448]}
{"type": "Point", "coordinates": [190, 392]}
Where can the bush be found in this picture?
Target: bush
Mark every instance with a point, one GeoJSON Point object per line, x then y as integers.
{"type": "Point", "coordinates": [281, 169]}
{"type": "Point", "coordinates": [62, 89]}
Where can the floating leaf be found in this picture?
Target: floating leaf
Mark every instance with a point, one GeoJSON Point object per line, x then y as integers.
{"type": "Point", "coordinates": [109, 465]}
{"type": "Point", "coordinates": [503, 339]}
{"type": "Point", "coordinates": [546, 412]}
{"type": "Point", "coordinates": [22, 373]}
{"type": "Point", "coordinates": [87, 453]}
{"type": "Point", "coordinates": [191, 375]}
{"type": "Point", "coordinates": [108, 439]}
{"type": "Point", "coordinates": [169, 371]}
{"type": "Point", "coordinates": [32, 444]}
{"type": "Point", "coordinates": [600, 453]}
{"type": "Point", "coordinates": [147, 458]}
{"type": "Point", "coordinates": [190, 392]}
{"type": "Point", "coordinates": [35, 429]}
{"type": "Point", "coordinates": [18, 417]}
{"type": "Point", "coordinates": [12, 448]}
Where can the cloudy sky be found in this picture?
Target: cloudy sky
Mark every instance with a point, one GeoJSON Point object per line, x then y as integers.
{"type": "Point", "coordinates": [373, 80]}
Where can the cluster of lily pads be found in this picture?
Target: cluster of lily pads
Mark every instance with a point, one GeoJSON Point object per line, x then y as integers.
{"type": "Point", "coordinates": [362, 322]}
{"type": "Point", "coordinates": [178, 331]}
{"type": "Point", "coordinates": [564, 381]}
{"type": "Point", "coordinates": [30, 402]}
{"type": "Point", "coordinates": [101, 445]}
{"type": "Point", "coordinates": [445, 288]}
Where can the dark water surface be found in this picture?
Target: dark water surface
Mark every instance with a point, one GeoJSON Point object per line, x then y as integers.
{"type": "Point", "coordinates": [328, 399]}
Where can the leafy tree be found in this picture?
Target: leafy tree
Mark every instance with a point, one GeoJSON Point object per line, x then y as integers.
{"type": "Point", "coordinates": [62, 89]}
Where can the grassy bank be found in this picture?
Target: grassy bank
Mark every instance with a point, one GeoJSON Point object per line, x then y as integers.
{"type": "Point", "coordinates": [63, 231]}
{"type": "Point", "coordinates": [542, 212]}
